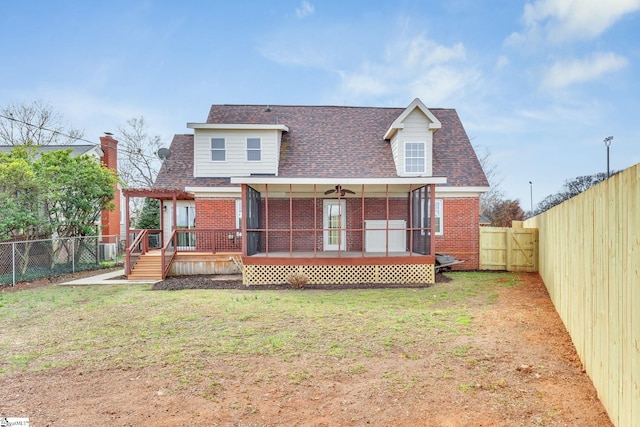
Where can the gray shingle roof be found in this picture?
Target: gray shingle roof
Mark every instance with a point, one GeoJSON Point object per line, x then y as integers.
{"type": "Point", "coordinates": [331, 141]}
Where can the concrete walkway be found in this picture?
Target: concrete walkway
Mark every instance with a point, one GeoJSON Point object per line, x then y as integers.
{"type": "Point", "coordinates": [111, 278]}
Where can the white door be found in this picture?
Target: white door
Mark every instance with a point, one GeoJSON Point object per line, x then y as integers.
{"type": "Point", "coordinates": [334, 224]}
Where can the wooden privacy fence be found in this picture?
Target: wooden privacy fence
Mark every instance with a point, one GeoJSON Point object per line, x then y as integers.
{"type": "Point", "coordinates": [510, 249]}
{"type": "Point", "coordinates": [590, 264]}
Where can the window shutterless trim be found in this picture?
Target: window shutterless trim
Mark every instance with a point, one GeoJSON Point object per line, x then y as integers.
{"type": "Point", "coordinates": [222, 150]}
{"type": "Point", "coordinates": [253, 150]}
{"type": "Point", "coordinates": [423, 164]}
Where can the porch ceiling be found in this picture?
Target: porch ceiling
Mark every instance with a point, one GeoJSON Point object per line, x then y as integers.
{"type": "Point", "coordinates": [307, 190]}
{"type": "Point", "coordinates": [309, 186]}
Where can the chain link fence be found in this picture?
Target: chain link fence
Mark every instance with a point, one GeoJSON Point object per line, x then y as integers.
{"type": "Point", "coordinates": [28, 260]}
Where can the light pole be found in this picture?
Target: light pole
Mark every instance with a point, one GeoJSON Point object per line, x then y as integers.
{"type": "Point", "coordinates": [607, 142]}
{"type": "Point", "coordinates": [531, 193]}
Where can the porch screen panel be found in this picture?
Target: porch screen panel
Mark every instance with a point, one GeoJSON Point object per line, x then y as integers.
{"type": "Point", "coordinates": [252, 214]}
{"type": "Point", "coordinates": [421, 220]}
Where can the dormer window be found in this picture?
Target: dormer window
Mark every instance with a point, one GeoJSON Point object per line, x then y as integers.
{"type": "Point", "coordinates": [414, 157]}
{"type": "Point", "coordinates": [254, 149]}
{"type": "Point", "coordinates": [218, 150]}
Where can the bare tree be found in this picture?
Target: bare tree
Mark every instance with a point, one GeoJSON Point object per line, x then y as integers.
{"type": "Point", "coordinates": [138, 163]}
{"type": "Point", "coordinates": [35, 123]}
{"type": "Point", "coordinates": [495, 195]}
{"type": "Point", "coordinates": [571, 188]}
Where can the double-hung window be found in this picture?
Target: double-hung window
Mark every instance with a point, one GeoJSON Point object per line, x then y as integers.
{"type": "Point", "coordinates": [218, 150]}
{"type": "Point", "coordinates": [438, 218]}
{"type": "Point", "coordinates": [239, 217]}
{"type": "Point", "coordinates": [254, 149]}
{"type": "Point", "coordinates": [414, 157]}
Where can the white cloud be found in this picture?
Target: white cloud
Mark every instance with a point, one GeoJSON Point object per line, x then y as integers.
{"type": "Point", "coordinates": [305, 9]}
{"type": "Point", "coordinates": [560, 20]}
{"type": "Point", "coordinates": [502, 62]}
{"type": "Point", "coordinates": [409, 68]}
{"type": "Point", "coordinates": [567, 72]}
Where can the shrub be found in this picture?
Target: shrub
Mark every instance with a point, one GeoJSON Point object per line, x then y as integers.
{"type": "Point", "coordinates": [297, 280]}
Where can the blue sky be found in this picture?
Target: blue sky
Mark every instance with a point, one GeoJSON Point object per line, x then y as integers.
{"type": "Point", "coordinates": [538, 83]}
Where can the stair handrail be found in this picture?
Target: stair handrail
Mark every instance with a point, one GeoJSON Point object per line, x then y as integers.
{"type": "Point", "coordinates": [166, 263]}
{"type": "Point", "coordinates": [140, 238]}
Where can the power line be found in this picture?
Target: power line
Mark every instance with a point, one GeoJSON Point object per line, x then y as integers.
{"type": "Point", "coordinates": [56, 132]}
{"type": "Point", "coordinates": [173, 161]}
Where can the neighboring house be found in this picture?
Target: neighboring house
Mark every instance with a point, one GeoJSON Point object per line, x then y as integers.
{"type": "Point", "coordinates": [112, 222]}
{"type": "Point", "coordinates": [343, 194]}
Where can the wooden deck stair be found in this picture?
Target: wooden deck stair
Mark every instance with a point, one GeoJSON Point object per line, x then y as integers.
{"type": "Point", "coordinates": [149, 266]}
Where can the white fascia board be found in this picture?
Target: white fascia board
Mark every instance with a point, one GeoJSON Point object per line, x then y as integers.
{"type": "Point", "coordinates": [392, 129]}
{"type": "Point", "coordinates": [232, 126]}
{"type": "Point", "coordinates": [214, 191]}
{"type": "Point", "coordinates": [341, 181]}
{"type": "Point", "coordinates": [460, 191]}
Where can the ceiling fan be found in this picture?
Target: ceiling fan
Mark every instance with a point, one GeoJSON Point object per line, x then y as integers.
{"type": "Point", "coordinates": [338, 189]}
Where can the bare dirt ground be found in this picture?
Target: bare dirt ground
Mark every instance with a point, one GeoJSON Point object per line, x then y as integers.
{"type": "Point", "coordinates": [520, 370]}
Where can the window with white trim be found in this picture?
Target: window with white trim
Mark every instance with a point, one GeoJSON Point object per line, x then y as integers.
{"type": "Point", "coordinates": [254, 149]}
{"type": "Point", "coordinates": [438, 222]}
{"type": "Point", "coordinates": [414, 157]}
{"type": "Point", "coordinates": [438, 218]}
{"type": "Point", "coordinates": [239, 217]}
{"type": "Point", "coordinates": [218, 150]}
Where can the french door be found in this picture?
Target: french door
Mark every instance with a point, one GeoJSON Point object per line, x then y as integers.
{"type": "Point", "coordinates": [334, 225]}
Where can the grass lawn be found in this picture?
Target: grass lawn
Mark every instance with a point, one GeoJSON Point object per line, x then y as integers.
{"type": "Point", "coordinates": [481, 349]}
{"type": "Point", "coordinates": [98, 327]}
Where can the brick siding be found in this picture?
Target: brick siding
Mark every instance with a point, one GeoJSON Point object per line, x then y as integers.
{"type": "Point", "coordinates": [461, 237]}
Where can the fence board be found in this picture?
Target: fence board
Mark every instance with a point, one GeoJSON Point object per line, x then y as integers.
{"type": "Point", "coordinates": [511, 249]}
{"type": "Point", "coordinates": [590, 264]}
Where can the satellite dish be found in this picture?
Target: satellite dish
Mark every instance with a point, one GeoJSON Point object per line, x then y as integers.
{"type": "Point", "coordinates": [164, 153]}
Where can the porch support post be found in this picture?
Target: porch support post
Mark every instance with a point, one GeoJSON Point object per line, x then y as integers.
{"type": "Point", "coordinates": [162, 235]}
{"type": "Point", "coordinates": [175, 213]}
{"type": "Point", "coordinates": [340, 225]}
{"type": "Point", "coordinates": [127, 227]}
{"type": "Point", "coordinates": [315, 220]}
{"type": "Point", "coordinates": [266, 219]}
{"type": "Point", "coordinates": [387, 223]}
{"type": "Point", "coordinates": [362, 221]}
{"type": "Point", "coordinates": [410, 219]}
{"type": "Point", "coordinates": [432, 198]}
{"type": "Point", "coordinates": [290, 220]}
{"type": "Point", "coordinates": [243, 224]}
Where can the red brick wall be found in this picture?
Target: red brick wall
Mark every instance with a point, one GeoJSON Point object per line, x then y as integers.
{"type": "Point", "coordinates": [217, 214]}
{"type": "Point", "coordinates": [461, 237]}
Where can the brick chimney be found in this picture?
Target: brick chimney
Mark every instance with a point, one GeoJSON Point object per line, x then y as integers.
{"type": "Point", "coordinates": [111, 219]}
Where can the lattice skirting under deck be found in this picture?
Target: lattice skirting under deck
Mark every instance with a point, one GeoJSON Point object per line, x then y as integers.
{"type": "Point", "coordinates": [340, 274]}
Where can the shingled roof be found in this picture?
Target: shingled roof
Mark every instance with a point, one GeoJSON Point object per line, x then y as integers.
{"type": "Point", "coordinates": [332, 142]}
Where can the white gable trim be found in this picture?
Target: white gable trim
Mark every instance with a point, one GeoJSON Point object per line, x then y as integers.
{"type": "Point", "coordinates": [398, 123]}
{"type": "Point", "coordinates": [238, 126]}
